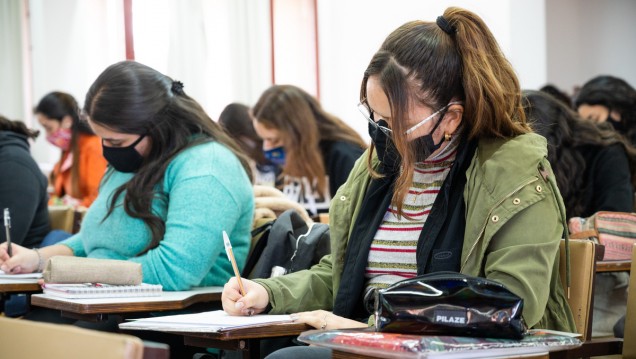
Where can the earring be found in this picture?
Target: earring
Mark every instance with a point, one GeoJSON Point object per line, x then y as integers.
{"type": "Point", "coordinates": [447, 136]}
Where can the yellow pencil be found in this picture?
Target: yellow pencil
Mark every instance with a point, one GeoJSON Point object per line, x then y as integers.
{"type": "Point", "coordinates": [230, 256]}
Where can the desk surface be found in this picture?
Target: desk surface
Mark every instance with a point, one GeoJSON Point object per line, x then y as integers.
{"type": "Point", "coordinates": [8, 285]}
{"type": "Point", "coordinates": [167, 301]}
{"type": "Point", "coordinates": [613, 266]}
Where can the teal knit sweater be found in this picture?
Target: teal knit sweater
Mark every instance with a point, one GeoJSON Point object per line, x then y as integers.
{"type": "Point", "coordinates": [206, 191]}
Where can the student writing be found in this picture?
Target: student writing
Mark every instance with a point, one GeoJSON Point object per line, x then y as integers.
{"type": "Point", "coordinates": [454, 181]}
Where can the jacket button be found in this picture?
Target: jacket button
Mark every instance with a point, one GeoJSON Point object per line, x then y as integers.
{"type": "Point", "coordinates": [516, 201]}
{"type": "Point", "coordinates": [343, 198]}
{"type": "Point", "coordinates": [495, 218]}
{"type": "Point", "coordinates": [539, 188]}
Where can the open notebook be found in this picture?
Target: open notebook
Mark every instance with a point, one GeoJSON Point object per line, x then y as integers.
{"type": "Point", "coordinates": [208, 322]}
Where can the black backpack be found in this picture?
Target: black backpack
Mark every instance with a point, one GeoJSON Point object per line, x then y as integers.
{"type": "Point", "coordinates": [286, 242]}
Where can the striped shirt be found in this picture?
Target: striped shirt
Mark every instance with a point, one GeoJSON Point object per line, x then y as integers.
{"type": "Point", "coordinates": [393, 250]}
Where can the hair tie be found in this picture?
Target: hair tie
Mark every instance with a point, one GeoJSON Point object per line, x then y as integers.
{"type": "Point", "coordinates": [177, 87]}
{"type": "Point", "coordinates": [446, 26]}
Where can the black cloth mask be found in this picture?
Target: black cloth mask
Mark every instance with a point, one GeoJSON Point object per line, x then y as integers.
{"type": "Point", "coordinates": [387, 153]}
{"type": "Point", "coordinates": [124, 159]}
{"type": "Point", "coordinates": [424, 146]}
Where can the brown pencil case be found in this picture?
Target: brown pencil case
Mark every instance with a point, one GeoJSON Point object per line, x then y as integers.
{"type": "Point", "coordinates": [70, 269]}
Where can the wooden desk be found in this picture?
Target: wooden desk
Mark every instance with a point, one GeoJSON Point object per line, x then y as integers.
{"type": "Point", "coordinates": [613, 266]}
{"type": "Point", "coordinates": [8, 285]}
{"type": "Point", "coordinates": [246, 340]}
{"type": "Point", "coordinates": [99, 308]}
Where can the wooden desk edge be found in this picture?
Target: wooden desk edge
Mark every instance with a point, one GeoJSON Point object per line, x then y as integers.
{"type": "Point", "coordinates": [613, 266]}
{"type": "Point", "coordinates": [20, 287]}
{"type": "Point", "coordinates": [265, 331]}
{"type": "Point", "coordinates": [115, 308]}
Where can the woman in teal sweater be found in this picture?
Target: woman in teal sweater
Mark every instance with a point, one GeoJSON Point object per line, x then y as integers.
{"type": "Point", "coordinates": [175, 181]}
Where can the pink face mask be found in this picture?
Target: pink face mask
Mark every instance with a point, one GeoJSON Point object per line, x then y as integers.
{"type": "Point", "coordinates": [61, 138]}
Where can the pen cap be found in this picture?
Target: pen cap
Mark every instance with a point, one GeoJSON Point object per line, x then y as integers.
{"type": "Point", "coordinates": [7, 218]}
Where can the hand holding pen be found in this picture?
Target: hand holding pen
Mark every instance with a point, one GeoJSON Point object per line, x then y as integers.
{"type": "Point", "coordinates": [241, 296]}
{"type": "Point", "coordinates": [7, 229]}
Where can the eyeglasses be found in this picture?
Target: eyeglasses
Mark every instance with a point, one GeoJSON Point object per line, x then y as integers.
{"type": "Point", "coordinates": [366, 112]}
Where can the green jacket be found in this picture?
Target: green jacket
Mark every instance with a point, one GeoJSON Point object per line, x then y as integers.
{"type": "Point", "coordinates": [512, 235]}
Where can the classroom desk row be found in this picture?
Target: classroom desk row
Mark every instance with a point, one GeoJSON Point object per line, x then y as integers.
{"type": "Point", "coordinates": [245, 340]}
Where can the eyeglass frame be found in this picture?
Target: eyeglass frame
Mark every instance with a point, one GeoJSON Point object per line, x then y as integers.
{"type": "Point", "coordinates": [362, 107]}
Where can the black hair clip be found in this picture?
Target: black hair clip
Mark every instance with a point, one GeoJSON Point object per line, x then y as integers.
{"type": "Point", "coordinates": [446, 26]}
{"type": "Point", "coordinates": [177, 87]}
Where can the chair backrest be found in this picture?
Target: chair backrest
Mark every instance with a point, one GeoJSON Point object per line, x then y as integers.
{"type": "Point", "coordinates": [65, 218]}
{"type": "Point", "coordinates": [629, 344]}
{"type": "Point", "coordinates": [583, 256]}
{"type": "Point", "coordinates": [27, 339]}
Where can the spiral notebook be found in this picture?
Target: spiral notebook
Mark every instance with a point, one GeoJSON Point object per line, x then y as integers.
{"type": "Point", "coordinates": [98, 290]}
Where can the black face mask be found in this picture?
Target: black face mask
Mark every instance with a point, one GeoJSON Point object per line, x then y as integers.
{"type": "Point", "coordinates": [124, 159]}
{"type": "Point", "coordinates": [387, 153]}
{"type": "Point", "coordinates": [424, 146]}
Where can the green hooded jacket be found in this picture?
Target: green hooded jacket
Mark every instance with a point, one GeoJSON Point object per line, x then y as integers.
{"type": "Point", "coordinates": [513, 230]}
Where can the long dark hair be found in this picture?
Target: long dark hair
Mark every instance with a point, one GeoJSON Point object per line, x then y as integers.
{"type": "Point", "coordinates": [567, 134]}
{"type": "Point", "coordinates": [615, 94]}
{"type": "Point", "coordinates": [57, 105]}
{"type": "Point", "coordinates": [421, 63]}
{"type": "Point", "coordinates": [132, 98]}
{"type": "Point", "coordinates": [237, 122]}
{"type": "Point", "coordinates": [17, 127]}
{"type": "Point", "coordinates": [303, 124]}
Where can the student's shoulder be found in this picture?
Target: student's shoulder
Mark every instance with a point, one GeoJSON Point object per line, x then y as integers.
{"type": "Point", "coordinates": [204, 150]}
{"type": "Point", "coordinates": [205, 158]}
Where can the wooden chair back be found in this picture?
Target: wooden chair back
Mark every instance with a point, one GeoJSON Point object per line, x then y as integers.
{"type": "Point", "coordinates": [629, 344]}
{"type": "Point", "coordinates": [583, 257]}
{"type": "Point", "coordinates": [21, 339]}
{"type": "Point", "coordinates": [66, 218]}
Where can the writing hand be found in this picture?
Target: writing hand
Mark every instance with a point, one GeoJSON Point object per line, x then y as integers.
{"type": "Point", "coordinates": [24, 260]}
{"type": "Point", "coordinates": [255, 300]}
{"type": "Point", "coordinates": [322, 319]}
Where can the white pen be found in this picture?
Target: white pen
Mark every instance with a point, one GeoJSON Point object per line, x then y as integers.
{"type": "Point", "coordinates": [230, 256]}
{"type": "Point", "coordinates": [7, 229]}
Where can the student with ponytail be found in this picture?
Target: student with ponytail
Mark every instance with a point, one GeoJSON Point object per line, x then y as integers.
{"type": "Point", "coordinates": [453, 162]}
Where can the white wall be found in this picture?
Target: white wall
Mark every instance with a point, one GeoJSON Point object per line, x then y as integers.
{"type": "Point", "coordinates": [351, 31]}
{"type": "Point", "coordinates": [11, 86]}
{"type": "Point", "coordinates": [565, 42]}
{"type": "Point", "coordinates": [587, 38]}
{"type": "Point", "coordinates": [72, 43]}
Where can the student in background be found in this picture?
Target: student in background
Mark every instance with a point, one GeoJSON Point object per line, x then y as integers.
{"type": "Point", "coordinates": [76, 176]}
{"type": "Point", "coordinates": [23, 190]}
{"type": "Point", "coordinates": [22, 186]}
{"type": "Point", "coordinates": [557, 94]}
{"type": "Point", "coordinates": [454, 168]}
{"type": "Point", "coordinates": [237, 122]}
{"type": "Point", "coordinates": [594, 167]}
{"type": "Point", "coordinates": [175, 181]}
{"type": "Point", "coordinates": [315, 149]}
{"type": "Point", "coordinates": [609, 99]}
